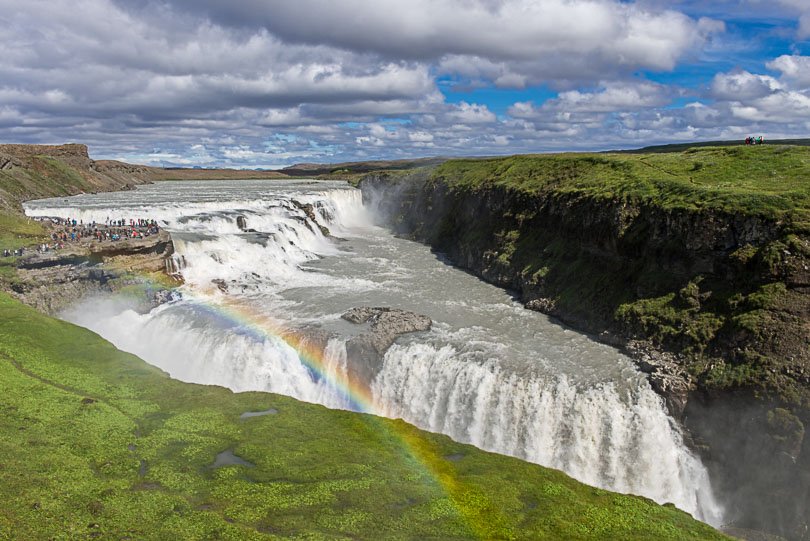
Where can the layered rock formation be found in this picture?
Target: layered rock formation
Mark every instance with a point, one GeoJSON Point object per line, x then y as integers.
{"type": "Point", "coordinates": [52, 281]}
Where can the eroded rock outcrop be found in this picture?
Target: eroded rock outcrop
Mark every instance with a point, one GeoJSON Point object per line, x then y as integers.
{"type": "Point", "coordinates": [309, 210]}
{"type": "Point", "coordinates": [51, 281]}
{"type": "Point", "coordinates": [365, 351]}
{"type": "Point", "coordinates": [665, 373]}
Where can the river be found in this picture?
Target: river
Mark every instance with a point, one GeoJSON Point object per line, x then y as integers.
{"type": "Point", "coordinates": [489, 372]}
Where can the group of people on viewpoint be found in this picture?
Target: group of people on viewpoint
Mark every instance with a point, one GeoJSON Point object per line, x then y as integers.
{"type": "Point", "coordinates": [71, 230]}
{"type": "Point", "coordinates": [751, 140]}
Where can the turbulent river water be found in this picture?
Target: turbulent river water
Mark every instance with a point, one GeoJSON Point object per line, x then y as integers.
{"type": "Point", "coordinates": [489, 372]}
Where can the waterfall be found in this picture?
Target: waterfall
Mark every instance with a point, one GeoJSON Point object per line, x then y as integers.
{"type": "Point", "coordinates": [520, 388]}
{"type": "Point", "coordinates": [623, 441]}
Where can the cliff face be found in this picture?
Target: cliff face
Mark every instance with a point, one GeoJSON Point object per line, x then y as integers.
{"type": "Point", "coordinates": [35, 171]}
{"type": "Point", "coordinates": [73, 152]}
{"type": "Point", "coordinates": [714, 305]}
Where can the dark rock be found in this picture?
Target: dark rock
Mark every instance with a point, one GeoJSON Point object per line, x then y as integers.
{"type": "Point", "coordinates": [387, 324]}
{"type": "Point", "coordinates": [309, 210]}
{"type": "Point", "coordinates": [749, 449]}
{"type": "Point", "coordinates": [365, 352]}
{"type": "Point", "coordinates": [221, 284]}
{"type": "Point", "coordinates": [543, 305]}
{"type": "Point", "coordinates": [163, 296]}
{"type": "Point", "coordinates": [666, 375]}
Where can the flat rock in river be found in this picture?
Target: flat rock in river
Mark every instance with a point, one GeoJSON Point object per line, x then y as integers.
{"type": "Point", "coordinates": [386, 325]}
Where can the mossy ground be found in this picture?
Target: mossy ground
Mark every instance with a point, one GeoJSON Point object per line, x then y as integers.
{"type": "Point", "coordinates": [770, 181]}
{"type": "Point", "coordinates": [94, 443]}
{"type": "Point", "coordinates": [18, 231]}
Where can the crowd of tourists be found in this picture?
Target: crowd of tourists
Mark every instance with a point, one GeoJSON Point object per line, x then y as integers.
{"type": "Point", "coordinates": [751, 140]}
{"type": "Point", "coordinates": [70, 230]}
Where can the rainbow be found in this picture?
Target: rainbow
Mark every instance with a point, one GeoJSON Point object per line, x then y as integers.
{"type": "Point", "coordinates": [483, 519]}
{"type": "Point", "coordinates": [260, 327]}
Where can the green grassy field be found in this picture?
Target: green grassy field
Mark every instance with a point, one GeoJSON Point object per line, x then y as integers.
{"type": "Point", "coordinates": [94, 443]}
{"type": "Point", "coordinates": [771, 181]}
{"type": "Point", "coordinates": [16, 231]}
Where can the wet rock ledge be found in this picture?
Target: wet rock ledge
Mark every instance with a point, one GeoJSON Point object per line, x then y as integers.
{"type": "Point", "coordinates": [53, 280]}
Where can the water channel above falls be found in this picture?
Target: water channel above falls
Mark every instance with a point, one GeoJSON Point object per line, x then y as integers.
{"type": "Point", "coordinates": [489, 372]}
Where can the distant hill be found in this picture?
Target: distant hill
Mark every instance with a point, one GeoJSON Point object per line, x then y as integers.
{"type": "Point", "coordinates": [182, 173]}
{"type": "Point", "coordinates": [316, 169]}
{"type": "Point", "coordinates": [680, 147]}
{"type": "Point", "coordinates": [34, 171]}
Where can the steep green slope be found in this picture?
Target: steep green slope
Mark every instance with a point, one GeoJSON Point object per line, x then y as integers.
{"type": "Point", "coordinates": [94, 443]}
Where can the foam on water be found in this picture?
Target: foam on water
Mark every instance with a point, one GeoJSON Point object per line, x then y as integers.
{"type": "Point", "coordinates": [601, 435]}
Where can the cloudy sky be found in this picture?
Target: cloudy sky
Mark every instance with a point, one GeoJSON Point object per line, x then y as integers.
{"type": "Point", "coordinates": [269, 83]}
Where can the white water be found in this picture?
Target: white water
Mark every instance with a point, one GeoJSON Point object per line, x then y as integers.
{"type": "Point", "coordinates": [489, 372]}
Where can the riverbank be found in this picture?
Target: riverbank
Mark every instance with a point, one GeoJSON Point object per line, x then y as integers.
{"type": "Point", "coordinates": [695, 262]}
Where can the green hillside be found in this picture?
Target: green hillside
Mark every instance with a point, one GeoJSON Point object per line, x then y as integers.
{"type": "Point", "coordinates": [770, 181]}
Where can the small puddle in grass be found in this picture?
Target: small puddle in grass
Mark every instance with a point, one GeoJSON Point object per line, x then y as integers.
{"type": "Point", "coordinates": [227, 458]}
{"type": "Point", "coordinates": [249, 414]}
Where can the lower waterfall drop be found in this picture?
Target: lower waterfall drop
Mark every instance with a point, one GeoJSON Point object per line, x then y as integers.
{"type": "Point", "coordinates": [623, 441]}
